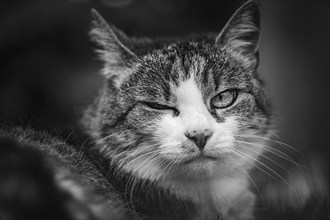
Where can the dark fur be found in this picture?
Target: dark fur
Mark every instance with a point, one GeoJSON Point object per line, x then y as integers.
{"type": "Point", "coordinates": [28, 167]}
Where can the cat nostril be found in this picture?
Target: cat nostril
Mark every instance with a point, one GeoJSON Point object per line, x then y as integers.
{"type": "Point", "coordinates": [188, 135]}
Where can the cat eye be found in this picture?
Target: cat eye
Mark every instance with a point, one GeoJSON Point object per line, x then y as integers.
{"type": "Point", "coordinates": [157, 106]}
{"type": "Point", "coordinates": [224, 99]}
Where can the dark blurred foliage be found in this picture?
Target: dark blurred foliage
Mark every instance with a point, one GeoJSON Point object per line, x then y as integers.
{"type": "Point", "coordinates": [49, 70]}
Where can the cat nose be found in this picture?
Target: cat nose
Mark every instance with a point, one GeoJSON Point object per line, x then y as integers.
{"type": "Point", "coordinates": [199, 137]}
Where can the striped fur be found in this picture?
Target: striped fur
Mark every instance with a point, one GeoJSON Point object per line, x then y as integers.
{"type": "Point", "coordinates": [184, 75]}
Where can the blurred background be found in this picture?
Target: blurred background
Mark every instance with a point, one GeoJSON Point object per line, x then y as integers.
{"type": "Point", "coordinates": [49, 70]}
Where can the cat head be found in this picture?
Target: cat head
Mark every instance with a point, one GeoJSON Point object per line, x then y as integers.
{"type": "Point", "coordinates": [186, 108]}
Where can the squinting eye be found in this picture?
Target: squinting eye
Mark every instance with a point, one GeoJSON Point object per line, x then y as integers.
{"type": "Point", "coordinates": [224, 99]}
{"type": "Point", "coordinates": [157, 106]}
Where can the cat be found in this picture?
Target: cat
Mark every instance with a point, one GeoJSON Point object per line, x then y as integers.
{"type": "Point", "coordinates": [168, 121]}
{"type": "Point", "coordinates": [173, 133]}
{"type": "Point", "coordinates": [177, 116]}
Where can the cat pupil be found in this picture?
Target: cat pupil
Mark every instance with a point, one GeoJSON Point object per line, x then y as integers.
{"type": "Point", "coordinates": [221, 97]}
{"type": "Point", "coordinates": [224, 99]}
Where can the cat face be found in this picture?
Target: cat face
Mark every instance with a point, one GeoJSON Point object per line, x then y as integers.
{"type": "Point", "coordinates": [188, 109]}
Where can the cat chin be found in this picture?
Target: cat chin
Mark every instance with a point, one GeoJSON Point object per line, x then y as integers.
{"type": "Point", "coordinates": [200, 170]}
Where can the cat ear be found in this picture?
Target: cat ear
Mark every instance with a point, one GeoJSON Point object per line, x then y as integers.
{"type": "Point", "coordinates": [115, 55]}
{"type": "Point", "coordinates": [241, 34]}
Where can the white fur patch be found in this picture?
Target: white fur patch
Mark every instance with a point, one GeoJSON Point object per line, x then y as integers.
{"type": "Point", "coordinates": [229, 196]}
{"type": "Point", "coordinates": [194, 113]}
{"type": "Point", "coordinates": [194, 116]}
{"type": "Point", "coordinates": [189, 96]}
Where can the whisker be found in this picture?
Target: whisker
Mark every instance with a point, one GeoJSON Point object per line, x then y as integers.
{"type": "Point", "coordinates": [253, 164]}
{"type": "Point", "coordinates": [140, 156]}
{"type": "Point", "coordinates": [275, 134]}
{"type": "Point", "coordinates": [187, 175]}
{"type": "Point", "coordinates": [69, 135]}
{"type": "Point", "coordinates": [248, 175]}
{"type": "Point", "coordinates": [131, 194]}
{"type": "Point", "coordinates": [83, 144]}
{"type": "Point", "coordinates": [133, 180]}
{"type": "Point", "coordinates": [102, 139]}
{"type": "Point", "coordinates": [152, 161]}
{"type": "Point", "coordinates": [133, 176]}
{"type": "Point", "coordinates": [253, 159]}
{"type": "Point", "coordinates": [275, 141]}
{"type": "Point", "coordinates": [270, 159]}
{"type": "Point", "coordinates": [173, 166]}
{"type": "Point", "coordinates": [283, 156]}
{"type": "Point", "coordinates": [269, 148]}
{"type": "Point", "coordinates": [164, 170]}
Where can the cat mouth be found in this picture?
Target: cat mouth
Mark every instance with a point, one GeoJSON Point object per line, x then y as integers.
{"type": "Point", "coordinates": [201, 158]}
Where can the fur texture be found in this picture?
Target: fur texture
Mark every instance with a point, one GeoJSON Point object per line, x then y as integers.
{"type": "Point", "coordinates": [44, 177]}
{"type": "Point", "coordinates": [174, 134]}
{"type": "Point", "coordinates": [162, 92]}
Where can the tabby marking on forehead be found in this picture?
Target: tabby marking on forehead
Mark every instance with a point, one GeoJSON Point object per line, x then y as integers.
{"type": "Point", "coordinates": [188, 93]}
{"type": "Point", "coordinates": [177, 69]}
{"type": "Point", "coordinates": [198, 64]}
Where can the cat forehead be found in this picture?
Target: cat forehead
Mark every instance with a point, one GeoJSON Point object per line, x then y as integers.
{"type": "Point", "coordinates": [177, 65]}
{"type": "Point", "coordinates": [177, 62]}
{"type": "Point", "coordinates": [162, 70]}
{"type": "Point", "coordinates": [162, 81]}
